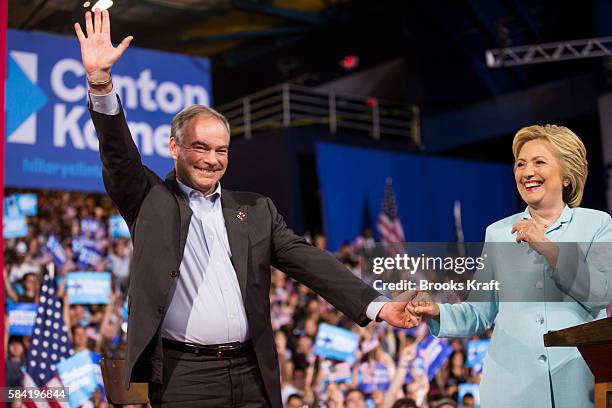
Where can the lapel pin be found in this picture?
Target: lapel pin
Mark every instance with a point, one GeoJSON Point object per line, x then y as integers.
{"type": "Point", "coordinates": [240, 215]}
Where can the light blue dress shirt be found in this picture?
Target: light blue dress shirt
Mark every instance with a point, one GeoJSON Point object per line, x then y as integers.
{"type": "Point", "coordinates": [205, 305]}
{"type": "Point", "coordinates": [518, 370]}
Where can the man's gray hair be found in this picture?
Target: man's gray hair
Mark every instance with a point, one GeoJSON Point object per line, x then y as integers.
{"type": "Point", "coordinates": [183, 117]}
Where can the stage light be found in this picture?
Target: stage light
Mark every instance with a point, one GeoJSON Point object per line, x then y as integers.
{"type": "Point", "coordinates": [102, 4]}
{"type": "Point", "coordinates": [349, 62]}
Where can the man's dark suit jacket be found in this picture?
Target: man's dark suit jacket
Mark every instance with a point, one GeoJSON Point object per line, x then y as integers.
{"type": "Point", "coordinates": [159, 218]}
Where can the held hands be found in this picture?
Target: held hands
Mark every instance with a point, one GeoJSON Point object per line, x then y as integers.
{"type": "Point", "coordinates": [97, 51]}
{"type": "Point", "coordinates": [399, 312]}
{"type": "Point", "coordinates": [407, 310]}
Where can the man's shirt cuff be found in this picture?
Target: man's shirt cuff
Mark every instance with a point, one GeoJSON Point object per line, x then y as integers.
{"type": "Point", "coordinates": [375, 306]}
{"type": "Point", "coordinates": [105, 104]}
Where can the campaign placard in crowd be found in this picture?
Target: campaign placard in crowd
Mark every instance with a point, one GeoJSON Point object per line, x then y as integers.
{"type": "Point", "coordinates": [431, 354]}
{"type": "Point", "coordinates": [125, 309]}
{"type": "Point", "coordinates": [88, 287]}
{"type": "Point", "coordinates": [381, 378]}
{"type": "Point", "coordinates": [55, 247]}
{"type": "Point", "coordinates": [89, 227]}
{"type": "Point", "coordinates": [95, 358]}
{"type": "Point", "coordinates": [21, 318]}
{"type": "Point", "coordinates": [79, 374]}
{"type": "Point", "coordinates": [336, 343]}
{"type": "Point", "coordinates": [28, 203]}
{"type": "Point", "coordinates": [118, 227]}
{"type": "Point", "coordinates": [467, 388]}
{"type": "Point", "coordinates": [14, 227]}
{"type": "Point", "coordinates": [476, 351]}
{"type": "Point", "coordinates": [11, 207]}
{"type": "Point", "coordinates": [86, 252]}
{"type": "Point", "coordinates": [21, 204]}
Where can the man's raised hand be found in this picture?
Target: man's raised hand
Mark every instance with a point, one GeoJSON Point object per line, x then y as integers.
{"type": "Point", "coordinates": [97, 51]}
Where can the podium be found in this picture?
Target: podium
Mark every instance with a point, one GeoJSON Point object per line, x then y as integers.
{"type": "Point", "coordinates": [594, 341]}
{"type": "Point", "coordinates": [113, 375]}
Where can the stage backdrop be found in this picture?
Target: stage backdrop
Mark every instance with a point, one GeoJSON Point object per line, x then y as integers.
{"type": "Point", "coordinates": [352, 184]}
{"type": "Point", "coordinates": [51, 142]}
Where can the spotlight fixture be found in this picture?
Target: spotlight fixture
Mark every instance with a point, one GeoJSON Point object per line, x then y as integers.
{"type": "Point", "coordinates": [102, 4]}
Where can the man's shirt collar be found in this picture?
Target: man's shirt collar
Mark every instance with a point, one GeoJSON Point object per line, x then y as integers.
{"type": "Point", "coordinates": [191, 193]}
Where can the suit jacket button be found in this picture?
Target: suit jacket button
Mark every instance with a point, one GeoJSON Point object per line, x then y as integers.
{"type": "Point", "coordinates": [160, 309]}
{"type": "Point", "coordinates": [173, 274]}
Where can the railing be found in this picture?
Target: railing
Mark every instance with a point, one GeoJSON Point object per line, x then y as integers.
{"type": "Point", "coordinates": [289, 105]}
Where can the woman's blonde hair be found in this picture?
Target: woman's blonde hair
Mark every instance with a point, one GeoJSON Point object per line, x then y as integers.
{"type": "Point", "coordinates": [570, 152]}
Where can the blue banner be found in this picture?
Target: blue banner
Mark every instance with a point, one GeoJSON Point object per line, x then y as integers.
{"type": "Point", "coordinates": [336, 343]}
{"type": "Point", "coordinates": [476, 351]}
{"type": "Point", "coordinates": [88, 287]}
{"type": "Point", "coordinates": [78, 373]}
{"type": "Point", "coordinates": [118, 227]}
{"type": "Point", "coordinates": [51, 142]}
{"type": "Point", "coordinates": [21, 318]}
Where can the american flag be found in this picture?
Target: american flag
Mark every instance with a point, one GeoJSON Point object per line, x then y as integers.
{"type": "Point", "coordinates": [49, 346]}
{"type": "Point", "coordinates": [389, 225]}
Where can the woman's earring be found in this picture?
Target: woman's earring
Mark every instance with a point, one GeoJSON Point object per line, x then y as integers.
{"type": "Point", "coordinates": [565, 183]}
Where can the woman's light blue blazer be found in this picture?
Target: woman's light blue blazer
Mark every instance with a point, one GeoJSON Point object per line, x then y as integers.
{"type": "Point", "coordinates": [518, 370]}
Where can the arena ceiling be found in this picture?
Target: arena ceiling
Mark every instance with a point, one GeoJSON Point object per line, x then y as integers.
{"type": "Point", "coordinates": [259, 43]}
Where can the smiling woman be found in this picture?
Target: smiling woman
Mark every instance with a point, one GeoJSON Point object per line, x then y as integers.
{"type": "Point", "coordinates": [553, 153]}
{"type": "Point", "coordinates": [550, 172]}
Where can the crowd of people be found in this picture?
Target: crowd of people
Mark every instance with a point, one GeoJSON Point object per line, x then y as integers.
{"type": "Point", "coordinates": [384, 373]}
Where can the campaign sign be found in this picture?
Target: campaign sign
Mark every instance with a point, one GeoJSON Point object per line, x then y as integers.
{"type": "Point", "coordinates": [28, 204]}
{"type": "Point", "coordinates": [21, 204]}
{"type": "Point", "coordinates": [14, 227]}
{"type": "Point", "coordinates": [95, 358]}
{"type": "Point", "coordinates": [118, 227]}
{"type": "Point", "coordinates": [78, 374]}
{"type": "Point", "coordinates": [85, 252]}
{"type": "Point", "coordinates": [21, 318]}
{"type": "Point", "coordinates": [366, 378]}
{"type": "Point", "coordinates": [88, 287]}
{"type": "Point", "coordinates": [381, 378]}
{"type": "Point", "coordinates": [57, 251]}
{"type": "Point", "coordinates": [336, 343]}
{"type": "Point", "coordinates": [466, 388]}
{"type": "Point", "coordinates": [339, 373]}
{"type": "Point", "coordinates": [89, 226]}
{"type": "Point", "coordinates": [476, 351]}
{"type": "Point", "coordinates": [431, 354]}
{"type": "Point", "coordinates": [125, 312]}
{"type": "Point", "coordinates": [11, 207]}
{"type": "Point", "coordinates": [51, 141]}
